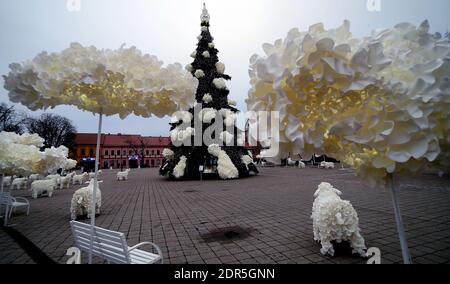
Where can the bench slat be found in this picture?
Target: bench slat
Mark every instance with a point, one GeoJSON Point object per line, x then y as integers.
{"type": "Point", "coordinates": [87, 240]}
{"type": "Point", "coordinates": [100, 231]}
{"type": "Point", "coordinates": [110, 241]}
{"type": "Point", "coordinates": [140, 256]}
{"type": "Point", "coordinates": [117, 259]}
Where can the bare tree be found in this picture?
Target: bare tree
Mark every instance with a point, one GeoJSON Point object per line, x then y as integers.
{"type": "Point", "coordinates": [56, 130]}
{"type": "Point", "coordinates": [138, 147]}
{"type": "Point", "coordinates": [11, 120]}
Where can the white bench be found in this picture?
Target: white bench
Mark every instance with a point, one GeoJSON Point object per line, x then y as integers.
{"type": "Point", "coordinates": [112, 246]}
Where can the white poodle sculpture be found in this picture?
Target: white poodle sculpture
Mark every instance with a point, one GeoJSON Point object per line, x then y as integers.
{"type": "Point", "coordinates": [335, 219]}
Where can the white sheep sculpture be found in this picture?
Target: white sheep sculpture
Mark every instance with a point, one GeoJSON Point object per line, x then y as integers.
{"type": "Point", "coordinates": [123, 175]}
{"type": "Point", "coordinates": [335, 219]}
{"type": "Point", "coordinates": [42, 187]}
{"type": "Point", "coordinates": [33, 177]}
{"type": "Point", "coordinates": [7, 181]}
{"type": "Point", "coordinates": [326, 165]}
{"type": "Point", "coordinates": [19, 183]}
{"type": "Point", "coordinates": [81, 203]}
{"type": "Point", "coordinates": [92, 175]}
{"type": "Point", "coordinates": [64, 182]}
{"type": "Point", "coordinates": [79, 179]}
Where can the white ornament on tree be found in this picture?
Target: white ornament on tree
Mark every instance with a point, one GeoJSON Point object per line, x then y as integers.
{"type": "Point", "coordinates": [207, 98]}
{"type": "Point", "coordinates": [206, 54]}
{"type": "Point", "coordinates": [179, 169]}
{"type": "Point", "coordinates": [225, 166]}
{"type": "Point", "coordinates": [219, 83]}
{"type": "Point", "coordinates": [199, 74]}
{"type": "Point", "coordinates": [232, 102]}
{"type": "Point", "coordinates": [220, 67]}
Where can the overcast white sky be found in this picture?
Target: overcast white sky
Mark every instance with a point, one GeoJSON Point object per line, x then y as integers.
{"type": "Point", "coordinates": [168, 29]}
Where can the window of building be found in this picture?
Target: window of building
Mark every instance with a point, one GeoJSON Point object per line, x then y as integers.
{"type": "Point", "coordinates": [112, 153]}
{"type": "Point", "coordinates": [124, 153]}
{"type": "Point", "coordinates": [91, 152]}
{"type": "Point", "coordinates": [130, 152]}
{"type": "Point", "coordinates": [106, 153]}
{"type": "Point", "coordinates": [153, 152]}
{"type": "Point", "coordinates": [147, 152]}
{"type": "Point", "coordinates": [158, 153]}
{"type": "Point", "coordinates": [83, 152]}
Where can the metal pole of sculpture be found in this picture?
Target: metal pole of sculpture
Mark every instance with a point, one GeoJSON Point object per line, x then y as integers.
{"type": "Point", "coordinates": [398, 219]}
{"type": "Point", "coordinates": [94, 192]}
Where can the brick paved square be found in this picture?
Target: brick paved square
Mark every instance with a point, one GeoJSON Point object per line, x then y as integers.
{"type": "Point", "coordinates": [263, 219]}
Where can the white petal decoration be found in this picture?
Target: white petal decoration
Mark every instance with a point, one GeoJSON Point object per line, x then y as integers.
{"type": "Point", "coordinates": [207, 98]}
{"type": "Point", "coordinates": [204, 28]}
{"type": "Point", "coordinates": [70, 164]}
{"type": "Point", "coordinates": [178, 135]}
{"type": "Point", "coordinates": [189, 68]}
{"type": "Point", "coordinates": [178, 171]}
{"type": "Point", "coordinates": [168, 154]}
{"type": "Point", "coordinates": [184, 116]}
{"type": "Point", "coordinates": [220, 67]}
{"type": "Point", "coordinates": [225, 166]}
{"type": "Point", "coordinates": [232, 102]}
{"type": "Point", "coordinates": [21, 155]}
{"type": "Point", "coordinates": [219, 83]}
{"type": "Point", "coordinates": [207, 115]}
{"type": "Point", "coordinates": [194, 54]}
{"type": "Point", "coordinates": [381, 104]}
{"type": "Point", "coordinates": [206, 54]}
{"type": "Point", "coordinates": [211, 45]}
{"type": "Point", "coordinates": [122, 81]}
{"type": "Point", "coordinates": [229, 117]}
{"type": "Point", "coordinates": [199, 73]}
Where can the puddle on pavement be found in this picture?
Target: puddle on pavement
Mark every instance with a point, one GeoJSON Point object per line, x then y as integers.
{"type": "Point", "coordinates": [227, 235]}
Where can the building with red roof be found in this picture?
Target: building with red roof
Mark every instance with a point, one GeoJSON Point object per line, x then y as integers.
{"type": "Point", "coordinates": [119, 151]}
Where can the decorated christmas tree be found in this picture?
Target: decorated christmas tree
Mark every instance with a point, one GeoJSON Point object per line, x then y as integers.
{"type": "Point", "coordinates": [205, 139]}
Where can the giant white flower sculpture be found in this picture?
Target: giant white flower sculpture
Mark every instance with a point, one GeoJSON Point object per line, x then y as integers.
{"type": "Point", "coordinates": [70, 164]}
{"type": "Point", "coordinates": [21, 155]}
{"type": "Point", "coordinates": [106, 82]}
{"type": "Point", "coordinates": [122, 81]}
{"type": "Point", "coordinates": [380, 104]}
